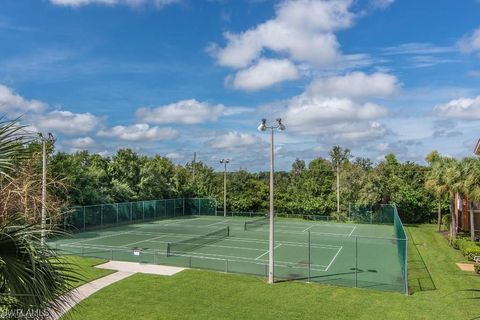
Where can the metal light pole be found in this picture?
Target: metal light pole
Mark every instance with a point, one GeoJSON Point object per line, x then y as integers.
{"type": "Point", "coordinates": [44, 140]}
{"type": "Point", "coordinates": [271, 243]}
{"type": "Point", "coordinates": [225, 161]}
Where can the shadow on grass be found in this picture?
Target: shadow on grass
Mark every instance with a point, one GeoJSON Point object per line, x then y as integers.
{"type": "Point", "coordinates": [419, 278]}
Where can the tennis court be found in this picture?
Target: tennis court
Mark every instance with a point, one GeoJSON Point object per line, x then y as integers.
{"type": "Point", "coordinates": [348, 254]}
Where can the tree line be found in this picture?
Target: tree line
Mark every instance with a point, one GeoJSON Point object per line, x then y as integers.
{"type": "Point", "coordinates": [324, 186]}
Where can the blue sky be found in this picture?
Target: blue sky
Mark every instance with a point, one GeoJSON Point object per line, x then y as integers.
{"type": "Point", "coordinates": [175, 77]}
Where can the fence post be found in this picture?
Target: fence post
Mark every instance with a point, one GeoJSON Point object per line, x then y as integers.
{"type": "Point", "coordinates": [143, 210]}
{"type": "Point", "coordinates": [131, 213]}
{"type": "Point", "coordinates": [189, 261]}
{"type": "Point", "coordinates": [117, 212]}
{"type": "Point", "coordinates": [406, 266]}
{"type": "Point", "coordinates": [183, 205]}
{"type": "Point", "coordinates": [164, 208]}
{"type": "Point", "coordinates": [199, 207]}
{"type": "Point", "coordinates": [83, 218]}
{"type": "Point", "coordinates": [309, 256]}
{"type": "Point", "coordinates": [101, 215]}
{"type": "Point", "coordinates": [356, 261]}
{"type": "Point", "coordinates": [155, 210]}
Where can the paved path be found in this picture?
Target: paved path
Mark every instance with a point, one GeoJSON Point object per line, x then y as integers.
{"type": "Point", "coordinates": [124, 270]}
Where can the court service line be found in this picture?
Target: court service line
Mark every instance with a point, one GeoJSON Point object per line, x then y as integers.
{"type": "Point", "coordinates": [211, 256]}
{"type": "Point", "coordinates": [278, 245]}
{"type": "Point", "coordinates": [209, 225]}
{"type": "Point", "coordinates": [102, 237]}
{"type": "Point", "coordinates": [241, 239]}
{"type": "Point", "coordinates": [306, 229]}
{"type": "Point", "coordinates": [352, 231]}
{"type": "Point", "coordinates": [149, 239]}
{"type": "Point", "coordinates": [334, 257]}
{"type": "Point", "coordinates": [246, 260]}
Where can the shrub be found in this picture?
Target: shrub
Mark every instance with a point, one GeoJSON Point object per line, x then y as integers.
{"type": "Point", "coordinates": [468, 248]}
{"type": "Point", "coordinates": [477, 268]}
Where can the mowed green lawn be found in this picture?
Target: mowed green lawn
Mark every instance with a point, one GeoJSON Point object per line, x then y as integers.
{"type": "Point", "coordinates": [448, 293]}
{"type": "Point", "coordinates": [85, 268]}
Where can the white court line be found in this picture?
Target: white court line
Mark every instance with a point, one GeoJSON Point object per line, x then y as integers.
{"type": "Point", "coordinates": [306, 229]}
{"type": "Point", "coordinates": [352, 231]}
{"type": "Point", "coordinates": [149, 239]}
{"type": "Point", "coordinates": [334, 258]}
{"type": "Point", "coordinates": [209, 225]}
{"type": "Point", "coordinates": [240, 239]}
{"type": "Point", "coordinates": [278, 245]}
{"type": "Point", "coordinates": [101, 237]}
{"type": "Point", "coordinates": [211, 256]}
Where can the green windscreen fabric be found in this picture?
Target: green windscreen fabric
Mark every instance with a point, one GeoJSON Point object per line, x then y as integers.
{"type": "Point", "coordinates": [111, 214]}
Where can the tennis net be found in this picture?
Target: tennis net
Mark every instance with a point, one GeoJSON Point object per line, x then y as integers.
{"type": "Point", "coordinates": [197, 242]}
{"type": "Point", "coordinates": [255, 223]}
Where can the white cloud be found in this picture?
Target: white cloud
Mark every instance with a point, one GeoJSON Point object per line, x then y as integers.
{"type": "Point", "coordinates": [470, 42]}
{"type": "Point", "coordinates": [381, 4]}
{"type": "Point", "coordinates": [331, 108]}
{"type": "Point", "coordinates": [417, 48]}
{"type": "Point", "coordinates": [14, 104]}
{"type": "Point", "coordinates": [81, 143]}
{"type": "Point", "coordinates": [185, 112]}
{"type": "Point", "coordinates": [235, 140]}
{"type": "Point", "coordinates": [463, 108]}
{"type": "Point", "coordinates": [310, 114]}
{"type": "Point", "coordinates": [265, 73]}
{"type": "Point", "coordinates": [355, 132]}
{"type": "Point", "coordinates": [68, 122]}
{"type": "Point", "coordinates": [233, 111]}
{"type": "Point", "coordinates": [139, 132]}
{"type": "Point", "coordinates": [174, 156]}
{"type": "Point", "coordinates": [131, 3]}
{"type": "Point", "coordinates": [302, 29]}
{"type": "Point", "coordinates": [355, 84]}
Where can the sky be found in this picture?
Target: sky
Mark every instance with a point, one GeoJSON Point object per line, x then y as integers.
{"type": "Point", "coordinates": [174, 77]}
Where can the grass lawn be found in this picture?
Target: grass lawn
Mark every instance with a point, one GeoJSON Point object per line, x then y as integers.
{"type": "Point", "coordinates": [85, 267]}
{"type": "Point", "coordinates": [440, 291]}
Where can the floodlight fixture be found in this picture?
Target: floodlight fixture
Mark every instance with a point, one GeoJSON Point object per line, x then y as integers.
{"type": "Point", "coordinates": [280, 125]}
{"type": "Point", "coordinates": [263, 125]}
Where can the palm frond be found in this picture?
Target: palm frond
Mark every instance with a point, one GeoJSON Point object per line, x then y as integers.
{"type": "Point", "coordinates": [32, 276]}
{"type": "Point", "coordinates": [13, 138]}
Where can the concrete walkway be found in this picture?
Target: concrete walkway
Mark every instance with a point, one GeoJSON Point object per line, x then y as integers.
{"type": "Point", "coordinates": [124, 270]}
{"type": "Point", "coordinates": [135, 267]}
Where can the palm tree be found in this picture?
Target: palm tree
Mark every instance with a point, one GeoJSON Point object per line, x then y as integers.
{"type": "Point", "coordinates": [32, 276]}
{"type": "Point", "coordinates": [13, 138]}
{"type": "Point", "coordinates": [442, 180]}
{"type": "Point", "coordinates": [435, 181]}
{"type": "Point", "coordinates": [471, 187]}
{"type": "Point", "coordinates": [453, 178]}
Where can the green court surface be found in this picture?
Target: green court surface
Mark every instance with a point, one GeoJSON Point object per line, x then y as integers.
{"type": "Point", "coordinates": [346, 254]}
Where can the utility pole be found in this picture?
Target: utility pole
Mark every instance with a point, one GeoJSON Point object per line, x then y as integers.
{"type": "Point", "coordinates": [193, 164]}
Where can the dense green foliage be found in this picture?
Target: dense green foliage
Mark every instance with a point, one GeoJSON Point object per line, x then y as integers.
{"type": "Point", "coordinates": [194, 294]}
{"type": "Point", "coordinates": [419, 191]}
{"type": "Point", "coordinates": [468, 248]}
